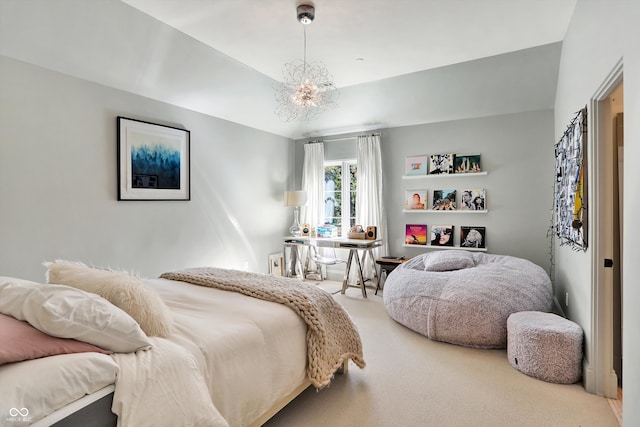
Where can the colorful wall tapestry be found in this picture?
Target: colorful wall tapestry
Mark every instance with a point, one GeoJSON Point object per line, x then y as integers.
{"type": "Point", "coordinates": [570, 204]}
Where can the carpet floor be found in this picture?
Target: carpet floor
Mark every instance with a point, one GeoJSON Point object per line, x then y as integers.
{"type": "Point", "coordinates": [410, 381]}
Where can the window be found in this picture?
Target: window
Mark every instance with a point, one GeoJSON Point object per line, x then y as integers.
{"type": "Point", "coordinates": [340, 179]}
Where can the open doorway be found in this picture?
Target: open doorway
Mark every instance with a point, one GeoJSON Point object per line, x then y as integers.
{"type": "Point", "coordinates": [608, 222]}
{"type": "Point", "coordinates": [617, 115]}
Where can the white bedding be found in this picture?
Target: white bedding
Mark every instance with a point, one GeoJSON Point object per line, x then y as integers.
{"type": "Point", "coordinates": [162, 386]}
{"type": "Point", "coordinates": [248, 353]}
{"type": "Point", "coordinates": [44, 385]}
{"type": "Point", "coordinates": [251, 352]}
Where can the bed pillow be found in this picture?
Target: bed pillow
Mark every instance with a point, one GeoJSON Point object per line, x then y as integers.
{"type": "Point", "coordinates": [66, 312]}
{"type": "Point", "coordinates": [121, 289]}
{"type": "Point", "coordinates": [448, 260]}
{"type": "Point", "coordinates": [20, 341]}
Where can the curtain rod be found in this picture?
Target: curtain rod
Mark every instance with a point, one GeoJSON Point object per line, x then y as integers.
{"type": "Point", "coordinates": [340, 139]}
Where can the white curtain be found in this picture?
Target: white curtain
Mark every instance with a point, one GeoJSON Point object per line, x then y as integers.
{"type": "Point", "coordinates": [369, 193]}
{"type": "Point", "coordinates": [313, 184]}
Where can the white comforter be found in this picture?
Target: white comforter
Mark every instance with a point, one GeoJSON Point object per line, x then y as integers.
{"type": "Point", "coordinates": [249, 353]}
{"type": "Point", "coordinates": [162, 386]}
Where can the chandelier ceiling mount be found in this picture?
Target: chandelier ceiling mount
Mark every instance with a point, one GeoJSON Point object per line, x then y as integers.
{"type": "Point", "coordinates": [306, 13]}
{"type": "Point", "coordinates": [307, 89]}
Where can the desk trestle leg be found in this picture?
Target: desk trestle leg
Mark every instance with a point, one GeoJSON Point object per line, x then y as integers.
{"type": "Point", "coordinates": [361, 276]}
{"type": "Point", "coordinates": [345, 282]}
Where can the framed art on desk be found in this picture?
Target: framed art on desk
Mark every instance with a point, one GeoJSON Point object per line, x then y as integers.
{"type": "Point", "coordinates": [276, 265]}
{"type": "Point", "coordinates": [153, 161]}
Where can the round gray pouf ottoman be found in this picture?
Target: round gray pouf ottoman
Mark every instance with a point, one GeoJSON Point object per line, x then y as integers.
{"type": "Point", "coordinates": [545, 346]}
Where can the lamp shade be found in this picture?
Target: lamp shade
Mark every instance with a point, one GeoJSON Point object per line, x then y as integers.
{"type": "Point", "coordinates": [295, 198]}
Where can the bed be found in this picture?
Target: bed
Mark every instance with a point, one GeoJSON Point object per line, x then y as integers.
{"type": "Point", "coordinates": [230, 348]}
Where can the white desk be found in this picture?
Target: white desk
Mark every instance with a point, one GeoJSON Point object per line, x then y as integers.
{"type": "Point", "coordinates": [354, 245]}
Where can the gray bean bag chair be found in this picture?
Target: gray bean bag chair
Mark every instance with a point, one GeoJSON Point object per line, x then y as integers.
{"type": "Point", "coordinates": [465, 298]}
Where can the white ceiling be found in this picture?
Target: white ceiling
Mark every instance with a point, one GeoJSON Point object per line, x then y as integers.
{"type": "Point", "coordinates": [365, 40]}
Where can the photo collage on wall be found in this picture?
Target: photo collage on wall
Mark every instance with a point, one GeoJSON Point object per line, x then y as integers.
{"type": "Point", "coordinates": [446, 200]}
{"type": "Point", "coordinates": [570, 207]}
{"type": "Point", "coordinates": [442, 164]}
{"type": "Point", "coordinates": [471, 237]}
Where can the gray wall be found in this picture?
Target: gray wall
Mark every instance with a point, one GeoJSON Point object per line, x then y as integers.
{"type": "Point", "coordinates": [515, 153]}
{"type": "Point", "coordinates": [58, 196]}
{"type": "Point", "coordinates": [600, 34]}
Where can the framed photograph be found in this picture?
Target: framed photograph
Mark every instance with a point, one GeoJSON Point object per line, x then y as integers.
{"type": "Point", "coordinates": [440, 164]}
{"type": "Point", "coordinates": [415, 200]}
{"type": "Point", "coordinates": [415, 234]}
{"type": "Point", "coordinates": [153, 161]}
{"type": "Point", "coordinates": [442, 235]}
{"type": "Point", "coordinates": [473, 200]}
{"type": "Point", "coordinates": [473, 237]}
{"type": "Point", "coordinates": [416, 165]}
{"type": "Point", "coordinates": [444, 200]}
{"type": "Point", "coordinates": [467, 163]}
{"type": "Point", "coordinates": [275, 265]}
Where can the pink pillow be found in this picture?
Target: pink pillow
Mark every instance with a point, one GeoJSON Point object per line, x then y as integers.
{"type": "Point", "coordinates": [21, 341]}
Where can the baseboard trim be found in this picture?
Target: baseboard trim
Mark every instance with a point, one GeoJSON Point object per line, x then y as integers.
{"type": "Point", "coordinates": [588, 381]}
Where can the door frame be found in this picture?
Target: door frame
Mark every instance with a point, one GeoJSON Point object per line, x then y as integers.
{"type": "Point", "coordinates": [600, 377]}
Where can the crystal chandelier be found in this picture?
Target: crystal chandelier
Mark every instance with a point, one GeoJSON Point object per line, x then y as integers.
{"type": "Point", "coordinates": [307, 89]}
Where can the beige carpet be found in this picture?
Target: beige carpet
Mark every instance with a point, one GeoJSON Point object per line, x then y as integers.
{"type": "Point", "coordinates": [412, 381]}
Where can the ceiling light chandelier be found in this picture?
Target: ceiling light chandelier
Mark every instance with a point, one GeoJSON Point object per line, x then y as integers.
{"type": "Point", "coordinates": [307, 89]}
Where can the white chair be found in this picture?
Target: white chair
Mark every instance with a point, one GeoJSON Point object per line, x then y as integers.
{"type": "Point", "coordinates": [321, 257]}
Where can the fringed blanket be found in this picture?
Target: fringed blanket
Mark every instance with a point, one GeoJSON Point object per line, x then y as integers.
{"type": "Point", "coordinates": [332, 338]}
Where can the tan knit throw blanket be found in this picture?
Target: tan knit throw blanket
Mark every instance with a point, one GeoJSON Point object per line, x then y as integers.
{"type": "Point", "coordinates": [332, 338]}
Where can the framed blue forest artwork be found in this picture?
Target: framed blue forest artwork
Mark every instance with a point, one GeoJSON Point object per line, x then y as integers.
{"type": "Point", "coordinates": [153, 161]}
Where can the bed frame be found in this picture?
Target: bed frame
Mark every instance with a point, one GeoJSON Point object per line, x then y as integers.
{"type": "Point", "coordinates": [97, 414]}
{"type": "Point", "coordinates": [94, 410]}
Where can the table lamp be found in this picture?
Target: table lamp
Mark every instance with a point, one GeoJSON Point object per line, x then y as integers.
{"type": "Point", "coordinates": [295, 199]}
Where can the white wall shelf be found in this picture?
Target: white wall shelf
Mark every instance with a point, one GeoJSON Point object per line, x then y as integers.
{"type": "Point", "coordinates": [445, 247]}
{"type": "Point", "coordinates": [445, 175]}
{"type": "Point", "coordinates": [460, 211]}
